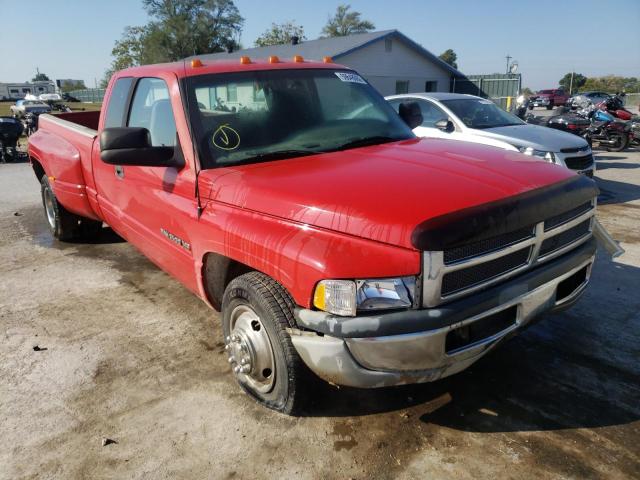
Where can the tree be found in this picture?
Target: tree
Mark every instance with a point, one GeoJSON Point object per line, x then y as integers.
{"type": "Point", "coordinates": [569, 86]}
{"type": "Point", "coordinates": [40, 77]}
{"type": "Point", "coordinates": [450, 57]}
{"type": "Point", "coordinates": [345, 22]}
{"type": "Point", "coordinates": [178, 29]}
{"type": "Point", "coordinates": [526, 91]}
{"type": "Point", "coordinates": [613, 84]}
{"type": "Point", "coordinates": [280, 33]}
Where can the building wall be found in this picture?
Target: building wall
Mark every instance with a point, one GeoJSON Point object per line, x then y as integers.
{"type": "Point", "coordinates": [382, 68]}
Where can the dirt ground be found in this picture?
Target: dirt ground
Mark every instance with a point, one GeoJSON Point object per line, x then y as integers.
{"type": "Point", "coordinates": [125, 353]}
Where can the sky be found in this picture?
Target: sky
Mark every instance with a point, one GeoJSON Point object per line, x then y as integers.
{"type": "Point", "coordinates": [74, 38]}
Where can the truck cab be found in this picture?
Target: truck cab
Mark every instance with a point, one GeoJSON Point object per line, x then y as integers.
{"type": "Point", "coordinates": [290, 196]}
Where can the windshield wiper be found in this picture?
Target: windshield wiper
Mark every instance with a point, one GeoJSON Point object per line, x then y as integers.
{"type": "Point", "coordinates": [364, 142]}
{"type": "Point", "coordinates": [276, 155]}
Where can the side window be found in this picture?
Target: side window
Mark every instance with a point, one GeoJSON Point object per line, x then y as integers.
{"type": "Point", "coordinates": [117, 103]}
{"type": "Point", "coordinates": [151, 109]}
{"type": "Point", "coordinates": [431, 114]}
{"type": "Point", "coordinates": [396, 104]}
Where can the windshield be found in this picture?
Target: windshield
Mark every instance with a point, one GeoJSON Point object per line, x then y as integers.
{"type": "Point", "coordinates": [480, 113]}
{"type": "Point", "coordinates": [267, 115]}
{"type": "Point", "coordinates": [546, 92]}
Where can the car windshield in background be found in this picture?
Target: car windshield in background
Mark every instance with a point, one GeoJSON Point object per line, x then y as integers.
{"type": "Point", "coordinates": [480, 113]}
{"type": "Point", "coordinates": [274, 114]}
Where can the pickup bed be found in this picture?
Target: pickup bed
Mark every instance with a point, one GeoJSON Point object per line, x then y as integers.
{"type": "Point", "coordinates": [291, 197]}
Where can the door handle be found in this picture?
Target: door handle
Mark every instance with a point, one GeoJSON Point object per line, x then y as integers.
{"type": "Point", "coordinates": [119, 169]}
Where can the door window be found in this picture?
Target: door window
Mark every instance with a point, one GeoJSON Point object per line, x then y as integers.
{"type": "Point", "coordinates": [151, 109]}
{"type": "Point", "coordinates": [118, 103]}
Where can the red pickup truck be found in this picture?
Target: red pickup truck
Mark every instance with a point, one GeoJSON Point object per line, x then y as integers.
{"type": "Point", "coordinates": [548, 98]}
{"type": "Point", "coordinates": [291, 197]}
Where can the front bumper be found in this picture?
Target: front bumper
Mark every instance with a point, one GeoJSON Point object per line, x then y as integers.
{"type": "Point", "coordinates": [412, 346]}
{"type": "Point", "coordinates": [565, 159]}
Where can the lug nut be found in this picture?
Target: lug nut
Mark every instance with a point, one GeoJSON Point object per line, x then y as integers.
{"type": "Point", "coordinates": [243, 361]}
{"type": "Point", "coordinates": [227, 347]}
{"type": "Point", "coordinates": [228, 339]}
{"type": "Point", "coordinates": [231, 359]}
{"type": "Point", "coordinates": [246, 369]}
{"type": "Point", "coordinates": [236, 369]}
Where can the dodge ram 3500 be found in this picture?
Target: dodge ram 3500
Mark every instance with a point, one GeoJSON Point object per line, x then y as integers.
{"type": "Point", "coordinates": [290, 196]}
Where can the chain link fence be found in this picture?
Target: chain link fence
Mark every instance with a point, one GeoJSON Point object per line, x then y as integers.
{"type": "Point", "coordinates": [88, 95]}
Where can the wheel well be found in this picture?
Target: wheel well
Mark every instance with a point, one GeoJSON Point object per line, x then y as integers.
{"type": "Point", "coordinates": [37, 168]}
{"type": "Point", "coordinates": [217, 272]}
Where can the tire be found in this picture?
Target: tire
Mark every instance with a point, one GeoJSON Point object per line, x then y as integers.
{"type": "Point", "coordinates": [256, 310]}
{"type": "Point", "coordinates": [63, 224]}
{"type": "Point", "coordinates": [623, 141]}
{"type": "Point", "coordinates": [530, 107]}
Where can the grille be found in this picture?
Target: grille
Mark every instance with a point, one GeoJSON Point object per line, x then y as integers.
{"type": "Point", "coordinates": [467, 277]}
{"type": "Point", "coordinates": [565, 238]}
{"type": "Point", "coordinates": [566, 216]}
{"type": "Point", "coordinates": [574, 150]}
{"type": "Point", "coordinates": [480, 329]}
{"type": "Point", "coordinates": [487, 246]}
{"type": "Point", "coordinates": [579, 163]}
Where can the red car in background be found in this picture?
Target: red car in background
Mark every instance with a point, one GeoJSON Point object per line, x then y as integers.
{"type": "Point", "coordinates": [548, 98]}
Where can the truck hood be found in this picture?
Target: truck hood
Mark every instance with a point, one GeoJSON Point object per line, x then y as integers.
{"type": "Point", "coordinates": [380, 192]}
{"type": "Point", "coordinates": [535, 136]}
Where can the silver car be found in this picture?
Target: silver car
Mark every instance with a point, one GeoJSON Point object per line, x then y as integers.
{"type": "Point", "coordinates": [474, 119]}
{"type": "Point", "coordinates": [584, 99]}
{"type": "Point", "coordinates": [22, 107]}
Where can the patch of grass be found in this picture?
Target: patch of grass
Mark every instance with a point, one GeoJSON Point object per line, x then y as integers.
{"type": "Point", "coordinates": [75, 106]}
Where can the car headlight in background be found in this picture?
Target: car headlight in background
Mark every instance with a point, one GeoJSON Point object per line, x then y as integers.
{"type": "Point", "coordinates": [532, 152]}
{"type": "Point", "coordinates": [347, 297]}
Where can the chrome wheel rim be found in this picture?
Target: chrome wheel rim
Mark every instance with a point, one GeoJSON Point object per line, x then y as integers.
{"type": "Point", "coordinates": [48, 208]}
{"type": "Point", "coordinates": [250, 351]}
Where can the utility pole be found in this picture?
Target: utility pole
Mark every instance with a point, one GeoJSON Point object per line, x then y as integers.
{"type": "Point", "coordinates": [508, 57]}
{"type": "Point", "coordinates": [571, 84]}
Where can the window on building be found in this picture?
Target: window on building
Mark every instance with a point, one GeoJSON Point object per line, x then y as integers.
{"type": "Point", "coordinates": [388, 44]}
{"type": "Point", "coordinates": [402, 86]}
{"type": "Point", "coordinates": [431, 86]}
{"type": "Point", "coordinates": [14, 91]}
{"type": "Point", "coordinates": [26, 90]}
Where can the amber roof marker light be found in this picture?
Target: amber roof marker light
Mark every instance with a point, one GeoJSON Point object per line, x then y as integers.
{"type": "Point", "coordinates": [196, 63]}
{"type": "Point", "coordinates": [273, 59]}
{"type": "Point", "coordinates": [245, 60]}
{"type": "Point", "coordinates": [327, 59]}
{"type": "Point", "coordinates": [298, 58]}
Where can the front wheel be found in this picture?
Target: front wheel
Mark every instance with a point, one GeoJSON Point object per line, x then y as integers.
{"type": "Point", "coordinates": [620, 141]}
{"type": "Point", "coordinates": [256, 311]}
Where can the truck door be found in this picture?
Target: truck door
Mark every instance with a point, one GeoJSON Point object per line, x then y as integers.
{"type": "Point", "coordinates": [153, 207]}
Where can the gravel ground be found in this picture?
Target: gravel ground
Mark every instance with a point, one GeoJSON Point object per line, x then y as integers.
{"type": "Point", "coordinates": [125, 353]}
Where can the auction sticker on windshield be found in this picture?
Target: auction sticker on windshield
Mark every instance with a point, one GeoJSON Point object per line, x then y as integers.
{"type": "Point", "coordinates": [350, 77]}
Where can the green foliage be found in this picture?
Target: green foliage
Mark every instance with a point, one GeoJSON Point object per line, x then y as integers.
{"type": "Point", "coordinates": [40, 77]}
{"type": "Point", "coordinates": [450, 57]}
{"type": "Point", "coordinates": [526, 91]}
{"type": "Point", "coordinates": [578, 81]}
{"type": "Point", "coordinates": [70, 86]}
{"type": "Point", "coordinates": [281, 33]}
{"type": "Point", "coordinates": [612, 84]}
{"type": "Point", "coordinates": [345, 22]}
{"type": "Point", "coordinates": [178, 29]}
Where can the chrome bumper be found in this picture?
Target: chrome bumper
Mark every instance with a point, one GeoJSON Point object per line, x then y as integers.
{"type": "Point", "coordinates": [371, 362]}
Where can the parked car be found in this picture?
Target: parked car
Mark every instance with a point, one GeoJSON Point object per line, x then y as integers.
{"type": "Point", "coordinates": [332, 241]}
{"type": "Point", "coordinates": [474, 119]}
{"type": "Point", "coordinates": [548, 98]}
{"type": "Point", "coordinates": [584, 99]}
{"type": "Point", "coordinates": [29, 106]}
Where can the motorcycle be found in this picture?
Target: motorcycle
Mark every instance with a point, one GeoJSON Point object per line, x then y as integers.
{"type": "Point", "coordinates": [615, 106]}
{"type": "Point", "coordinates": [615, 136]}
{"type": "Point", "coordinates": [30, 123]}
{"type": "Point", "coordinates": [10, 131]}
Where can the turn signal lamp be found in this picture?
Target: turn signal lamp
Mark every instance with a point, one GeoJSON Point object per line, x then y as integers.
{"type": "Point", "coordinates": [273, 59]}
{"type": "Point", "coordinates": [196, 63]}
{"type": "Point", "coordinates": [336, 296]}
{"type": "Point", "coordinates": [298, 58]}
{"type": "Point", "coordinates": [327, 59]}
{"type": "Point", "coordinates": [245, 60]}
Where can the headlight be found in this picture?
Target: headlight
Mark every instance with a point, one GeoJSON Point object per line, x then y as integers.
{"type": "Point", "coordinates": [532, 152]}
{"type": "Point", "coordinates": [346, 297]}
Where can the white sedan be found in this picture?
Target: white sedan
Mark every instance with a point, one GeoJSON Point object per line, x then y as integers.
{"type": "Point", "coordinates": [474, 119]}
